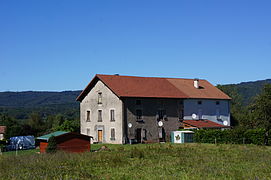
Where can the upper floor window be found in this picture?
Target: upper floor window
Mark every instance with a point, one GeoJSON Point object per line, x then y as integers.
{"type": "Point", "coordinates": [99, 98]}
{"type": "Point", "coordinates": [100, 113]}
{"type": "Point", "coordinates": [138, 102]}
{"type": "Point", "coordinates": [161, 113]}
{"type": "Point", "coordinates": [138, 114]}
{"type": "Point", "coordinates": [199, 102]}
{"type": "Point", "coordinates": [217, 102]}
{"type": "Point", "coordinates": [112, 115]}
{"type": "Point", "coordinates": [88, 116]}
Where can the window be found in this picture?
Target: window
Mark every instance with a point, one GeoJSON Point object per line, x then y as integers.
{"type": "Point", "coordinates": [99, 98]}
{"type": "Point", "coordinates": [100, 112]}
{"type": "Point", "coordinates": [88, 131]}
{"type": "Point", "coordinates": [112, 134]}
{"type": "Point", "coordinates": [138, 102]}
{"type": "Point", "coordinates": [217, 102]}
{"type": "Point", "coordinates": [138, 114]}
{"type": "Point", "coordinates": [181, 115]}
{"type": "Point", "coordinates": [144, 134]}
{"type": "Point", "coordinates": [200, 113]}
{"type": "Point", "coordinates": [199, 102]}
{"type": "Point", "coordinates": [88, 116]}
{"type": "Point", "coordinates": [161, 114]}
{"type": "Point", "coordinates": [112, 115]}
{"type": "Point", "coordinates": [218, 114]}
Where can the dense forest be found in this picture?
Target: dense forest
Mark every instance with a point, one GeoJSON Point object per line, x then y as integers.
{"type": "Point", "coordinates": [37, 113]}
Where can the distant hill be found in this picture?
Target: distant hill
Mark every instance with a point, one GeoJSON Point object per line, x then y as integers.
{"type": "Point", "coordinates": [21, 104]}
{"type": "Point", "coordinates": [37, 98]}
{"type": "Point", "coordinates": [248, 90]}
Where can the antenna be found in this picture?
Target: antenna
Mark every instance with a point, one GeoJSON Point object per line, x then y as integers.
{"type": "Point", "coordinates": [160, 123]}
{"type": "Point", "coordinates": [194, 116]}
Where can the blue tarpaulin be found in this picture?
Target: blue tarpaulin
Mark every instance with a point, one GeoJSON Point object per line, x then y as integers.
{"type": "Point", "coordinates": [21, 142]}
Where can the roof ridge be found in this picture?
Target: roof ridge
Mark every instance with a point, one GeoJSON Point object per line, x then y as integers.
{"type": "Point", "coordinates": [147, 77]}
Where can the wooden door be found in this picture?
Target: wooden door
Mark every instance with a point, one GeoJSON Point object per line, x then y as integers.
{"type": "Point", "coordinates": [100, 135]}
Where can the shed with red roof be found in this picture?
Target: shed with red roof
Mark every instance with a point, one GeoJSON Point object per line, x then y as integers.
{"type": "Point", "coordinates": [66, 141]}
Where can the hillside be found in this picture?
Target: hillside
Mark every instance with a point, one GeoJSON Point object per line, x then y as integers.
{"type": "Point", "coordinates": [248, 90]}
{"type": "Point", "coordinates": [21, 104]}
{"type": "Point", "coordinates": [37, 98]}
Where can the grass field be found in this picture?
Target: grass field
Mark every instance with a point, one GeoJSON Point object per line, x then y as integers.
{"type": "Point", "coordinates": [144, 161]}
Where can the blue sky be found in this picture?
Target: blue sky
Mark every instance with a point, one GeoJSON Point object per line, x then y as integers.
{"type": "Point", "coordinates": [60, 45]}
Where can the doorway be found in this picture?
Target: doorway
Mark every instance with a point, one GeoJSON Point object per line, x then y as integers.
{"type": "Point", "coordinates": [138, 135]}
{"type": "Point", "coordinates": [162, 135]}
{"type": "Point", "coordinates": [100, 136]}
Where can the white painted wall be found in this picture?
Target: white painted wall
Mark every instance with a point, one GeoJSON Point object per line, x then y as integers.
{"type": "Point", "coordinates": [209, 110]}
{"type": "Point", "coordinates": [109, 101]}
{"type": "Point", "coordinates": [1, 136]}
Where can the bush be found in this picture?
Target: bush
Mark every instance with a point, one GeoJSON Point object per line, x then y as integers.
{"type": "Point", "coordinates": [255, 136]}
{"type": "Point", "coordinates": [232, 136]}
{"type": "Point", "coordinates": [52, 145]}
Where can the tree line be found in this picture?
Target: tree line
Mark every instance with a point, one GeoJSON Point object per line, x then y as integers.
{"type": "Point", "coordinates": [257, 114]}
{"type": "Point", "coordinates": [37, 125]}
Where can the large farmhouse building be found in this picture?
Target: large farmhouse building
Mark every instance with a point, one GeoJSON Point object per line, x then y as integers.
{"type": "Point", "coordinates": [121, 109]}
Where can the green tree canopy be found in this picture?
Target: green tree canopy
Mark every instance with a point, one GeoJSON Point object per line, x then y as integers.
{"type": "Point", "coordinates": [261, 110]}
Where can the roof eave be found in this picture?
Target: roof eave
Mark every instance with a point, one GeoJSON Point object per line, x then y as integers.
{"type": "Point", "coordinates": [83, 94]}
{"type": "Point", "coordinates": [89, 87]}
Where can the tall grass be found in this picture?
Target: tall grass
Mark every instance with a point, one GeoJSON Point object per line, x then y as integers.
{"type": "Point", "coordinates": [148, 161]}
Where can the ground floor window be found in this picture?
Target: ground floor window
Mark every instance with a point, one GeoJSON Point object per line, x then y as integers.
{"type": "Point", "coordinates": [113, 134]}
{"type": "Point", "coordinates": [88, 131]}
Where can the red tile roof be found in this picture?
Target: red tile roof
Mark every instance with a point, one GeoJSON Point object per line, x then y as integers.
{"type": "Point", "coordinates": [3, 129]}
{"type": "Point", "coordinates": [204, 124]}
{"type": "Point", "coordinates": [155, 87]}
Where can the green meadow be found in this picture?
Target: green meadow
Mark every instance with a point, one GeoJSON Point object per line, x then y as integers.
{"type": "Point", "coordinates": [143, 161]}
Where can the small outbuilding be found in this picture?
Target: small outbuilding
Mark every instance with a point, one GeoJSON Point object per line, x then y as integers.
{"type": "Point", "coordinates": [66, 141]}
{"type": "Point", "coordinates": [2, 132]}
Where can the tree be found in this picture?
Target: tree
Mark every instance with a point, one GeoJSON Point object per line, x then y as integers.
{"type": "Point", "coordinates": [261, 110]}
{"type": "Point", "coordinates": [13, 127]}
{"type": "Point", "coordinates": [69, 125]}
{"type": "Point", "coordinates": [52, 145]}
{"type": "Point", "coordinates": [58, 121]}
{"type": "Point", "coordinates": [35, 122]}
{"type": "Point", "coordinates": [239, 113]}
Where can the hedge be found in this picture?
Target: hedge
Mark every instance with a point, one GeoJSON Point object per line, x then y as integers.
{"type": "Point", "coordinates": [231, 136]}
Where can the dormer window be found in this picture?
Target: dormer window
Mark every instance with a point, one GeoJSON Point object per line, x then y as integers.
{"type": "Point", "coordinates": [99, 98]}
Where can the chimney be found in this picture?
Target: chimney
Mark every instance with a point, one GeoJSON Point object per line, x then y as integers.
{"type": "Point", "coordinates": [196, 83]}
